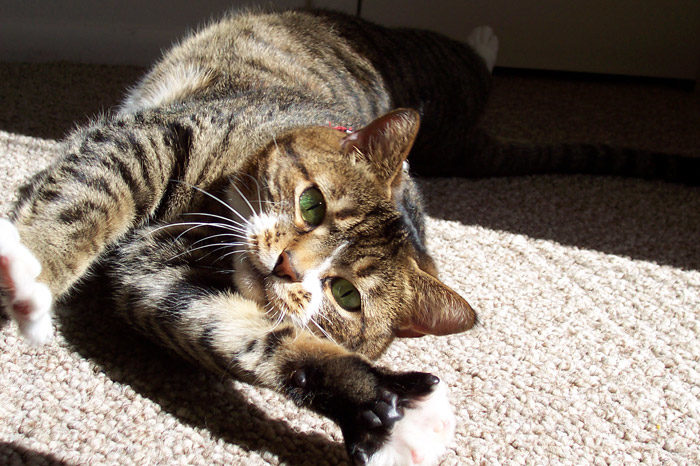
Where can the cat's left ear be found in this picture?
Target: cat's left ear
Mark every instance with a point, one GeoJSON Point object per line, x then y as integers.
{"type": "Point", "coordinates": [385, 142]}
{"type": "Point", "coordinates": [436, 310]}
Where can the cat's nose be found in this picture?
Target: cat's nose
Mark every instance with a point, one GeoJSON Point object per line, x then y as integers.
{"type": "Point", "coordinates": [285, 269]}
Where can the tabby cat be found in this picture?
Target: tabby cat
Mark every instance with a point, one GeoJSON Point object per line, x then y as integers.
{"type": "Point", "coordinates": [252, 203]}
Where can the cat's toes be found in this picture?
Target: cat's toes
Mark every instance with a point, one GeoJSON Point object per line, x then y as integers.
{"type": "Point", "coordinates": [27, 301]}
{"type": "Point", "coordinates": [483, 40]}
{"type": "Point", "coordinates": [410, 423]}
{"type": "Point", "coordinates": [420, 438]}
{"type": "Point", "coordinates": [39, 330]}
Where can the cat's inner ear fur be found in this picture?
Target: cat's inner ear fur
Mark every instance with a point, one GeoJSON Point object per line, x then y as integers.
{"type": "Point", "coordinates": [436, 309]}
{"type": "Point", "coordinates": [385, 143]}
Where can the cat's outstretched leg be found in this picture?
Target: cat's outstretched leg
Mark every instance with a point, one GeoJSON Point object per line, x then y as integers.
{"type": "Point", "coordinates": [483, 40]}
{"type": "Point", "coordinates": [27, 301]}
{"type": "Point", "coordinates": [110, 179]}
{"type": "Point", "coordinates": [170, 287]}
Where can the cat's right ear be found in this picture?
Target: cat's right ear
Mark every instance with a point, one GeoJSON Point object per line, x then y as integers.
{"type": "Point", "coordinates": [436, 310]}
{"type": "Point", "coordinates": [385, 142]}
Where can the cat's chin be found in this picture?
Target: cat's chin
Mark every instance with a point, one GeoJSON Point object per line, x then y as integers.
{"type": "Point", "coordinates": [289, 299]}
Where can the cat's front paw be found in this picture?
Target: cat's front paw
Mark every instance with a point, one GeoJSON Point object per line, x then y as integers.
{"type": "Point", "coordinates": [27, 301]}
{"type": "Point", "coordinates": [410, 423]}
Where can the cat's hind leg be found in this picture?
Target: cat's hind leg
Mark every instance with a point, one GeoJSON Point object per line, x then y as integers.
{"type": "Point", "coordinates": [483, 40]}
{"type": "Point", "coordinates": [27, 301]}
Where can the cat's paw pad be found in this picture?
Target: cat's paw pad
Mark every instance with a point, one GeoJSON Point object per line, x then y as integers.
{"type": "Point", "coordinates": [483, 40]}
{"type": "Point", "coordinates": [420, 438]}
{"type": "Point", "coordinates": [411, 423]}
{"type": "Point", "coordinates": [27, 301]}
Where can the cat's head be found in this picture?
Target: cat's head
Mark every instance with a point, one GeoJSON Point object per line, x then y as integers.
{"type": "Point", "coordinates": [329, 246]}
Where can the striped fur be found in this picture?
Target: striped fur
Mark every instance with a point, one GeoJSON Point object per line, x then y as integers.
{"type": "Point", "coordinates": [191, 196]}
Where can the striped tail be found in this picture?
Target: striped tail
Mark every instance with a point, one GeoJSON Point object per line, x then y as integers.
{"type": "Point", "coordinates": [486, 156]}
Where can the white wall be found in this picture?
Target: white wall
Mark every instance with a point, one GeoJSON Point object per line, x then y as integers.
{"type": "Point", "coordinates": [659, 38]}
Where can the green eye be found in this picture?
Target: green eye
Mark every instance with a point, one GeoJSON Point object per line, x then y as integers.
{"type": "Point", "coordinates": [312, 206]}
{"type": "Point", "coordinates": [345, 294]}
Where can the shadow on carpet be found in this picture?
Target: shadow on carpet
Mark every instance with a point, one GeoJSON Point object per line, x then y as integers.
{"type": "Point", "coordinates": [20, 455]}
{"type": "Point", "coordinates": [196, 397]}
{"type": "Point", "coordinates": [648, 220]}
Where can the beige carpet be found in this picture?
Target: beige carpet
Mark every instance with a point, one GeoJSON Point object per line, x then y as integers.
{"type": "Point", "coordinates": [587, 288]}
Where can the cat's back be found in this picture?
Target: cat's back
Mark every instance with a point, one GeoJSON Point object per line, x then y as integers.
{"type": "Point", "coordinates": [293, 51]}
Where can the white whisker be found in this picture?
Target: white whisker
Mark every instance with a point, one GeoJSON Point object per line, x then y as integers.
{"type": "Point", "coordinates": [234, 211]}
{"type": "Point", "coordinates": [326, 318]}
{"type": "Point", "coordinates": [326, 334]}
{"type": "Point", "coordinates": [245, 199]}
{"type": "Point", "coordinates": [279, 320]}
{"type": "Point", "coordinates": [193, 228]}
{"type": "Point", "coordinates": [191, 250]}
{"type": "Point", "coordinates": [177, 238]}
{"type": "Point", "coordinates": [257, 187]}
{"type": "Point", "coordinates": [239, 251]}
{"type": "Point", "coordinates": [234, 225]}
{"type": "Point", "coordinates": [210, 237]}
{"type": "Point", "coordinates": [196, 225]}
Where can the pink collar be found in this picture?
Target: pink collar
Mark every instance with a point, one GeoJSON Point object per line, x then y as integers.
{"type": "Point", "coordinates": [346, 129]}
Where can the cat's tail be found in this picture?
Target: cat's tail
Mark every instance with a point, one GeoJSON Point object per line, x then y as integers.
{"type": "Point", "coordinates": [486, 155]}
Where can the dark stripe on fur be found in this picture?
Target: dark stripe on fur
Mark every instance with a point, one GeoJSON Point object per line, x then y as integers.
{"type": "Point", "coordinates": [274, 339]}
{"type": "Point", "coordinates": [77, 212]}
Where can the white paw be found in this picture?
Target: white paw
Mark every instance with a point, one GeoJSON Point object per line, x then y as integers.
{"type": "Point", "coordinates": [485, 43]}
{"type": "Point", "coordinates": [27, 301]}
{"type": "Point", "coordinates": [422, 435]}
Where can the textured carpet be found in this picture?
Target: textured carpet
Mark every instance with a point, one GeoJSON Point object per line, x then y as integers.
{"type": "Point", "coordinates": [587, 289]}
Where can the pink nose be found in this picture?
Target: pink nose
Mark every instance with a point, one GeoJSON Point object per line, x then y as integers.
{"type": "Point", "coordinates": [284, 268]}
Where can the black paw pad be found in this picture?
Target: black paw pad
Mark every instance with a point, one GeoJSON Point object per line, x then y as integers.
{"type": "Point", "coordinates": [370, 419]}
{"type": "Point", "coordinates": [299, 378]}
{"type": "Point", "coordinates": [360, 457]}
{"type": "Point", "coordinates": [388, 396]}
{"type": "Point", "coordinates": [414, 384]}
{"type": "Point", "coordinates": [373, 424]}
{"type": "Point", "coordinates": [388, 413]}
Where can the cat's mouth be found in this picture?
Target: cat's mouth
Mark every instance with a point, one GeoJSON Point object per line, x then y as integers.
{"type": "Point", "coordinates": [295, 299]}
{"type": "Point", "coordinates": [289, 299]}
{"type": "Point", "coordinates": [280, 298]}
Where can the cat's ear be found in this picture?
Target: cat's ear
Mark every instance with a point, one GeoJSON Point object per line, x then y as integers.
{"type": "Point", "coordinates": [436, 310]}
{"type": "Point", "coordinates": [385, 142]}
